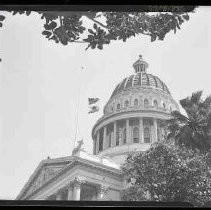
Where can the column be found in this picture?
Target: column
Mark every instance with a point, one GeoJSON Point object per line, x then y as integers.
{"type": "Point", "coordinates": [155, 130]}
{"type": "Point", "coordinates": [70, 193]}
{"type": "Point", "coordinates": [77, 188]}
{"type": "Point", "coordinates": [141, 130]}
{"type": "Point", "coordinates": [127, 131]}
{"type": "Point", "coordinates": [104, 138]}
{"type": "Point", "coordinates": [59, 195]}
{"type": "Point", "coordinates": [114, 136]}
{"type": "Point", "coordinates": [94, 197]}
{"type": "Point", "coordinates": [102, 190]}
{"type": "Point", "coordinates": [97, 142]}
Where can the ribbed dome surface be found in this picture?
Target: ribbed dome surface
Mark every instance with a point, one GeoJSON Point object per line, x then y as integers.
{"type": "Point", "coordinates": [140, 79]}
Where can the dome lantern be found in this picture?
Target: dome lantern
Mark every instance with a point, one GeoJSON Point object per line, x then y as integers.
{"type": "Point", "coordinates": [140, 65]}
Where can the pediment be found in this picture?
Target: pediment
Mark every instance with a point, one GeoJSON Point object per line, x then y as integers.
{"type": "Point", "coordinates": [45, 171]}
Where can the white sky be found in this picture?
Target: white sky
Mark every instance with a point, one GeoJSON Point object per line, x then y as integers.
{"type": "Point", "coordinates": [40, 82]}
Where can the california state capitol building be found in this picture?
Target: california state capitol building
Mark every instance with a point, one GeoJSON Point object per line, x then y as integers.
{"type": "Point", "coordinates": [133, 118]}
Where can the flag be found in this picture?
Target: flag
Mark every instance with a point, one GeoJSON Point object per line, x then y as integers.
{"type": "Point", "coordinates": [94, 109]}
{"type": "Point", "coordinates": [93, 100]}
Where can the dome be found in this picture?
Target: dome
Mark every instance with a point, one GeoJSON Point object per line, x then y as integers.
{"type": "Point", "coordinates": [135, 115]}
{"type": "Point", "coordinates": [141, 79]}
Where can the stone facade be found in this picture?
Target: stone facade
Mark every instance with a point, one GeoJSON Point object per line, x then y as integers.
{"type": "Point", "coordinates": [134, 118]}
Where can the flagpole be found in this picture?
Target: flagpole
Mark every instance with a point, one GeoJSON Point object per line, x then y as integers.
{"type": "Point", "coordinates": [77, 113]}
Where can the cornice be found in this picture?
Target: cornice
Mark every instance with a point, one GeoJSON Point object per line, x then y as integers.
{"type": "Point", "coordinates": [35, 174]}
{"type": "Point", "coordinates": [123, 113]}
{"type": "Point", "coordinates": [77, 161]}
{"type": "Point", "coordinates": [136, 89]}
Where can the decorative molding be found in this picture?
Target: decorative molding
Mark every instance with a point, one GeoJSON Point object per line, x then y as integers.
{"type": "Point", "coordinates": [74, 162]}
{"type": "Point", "coordinates": [103, 189]}
{"type": "Point", "coordinates": [128, 114]}
{"type": "Point", "coordinates": [77, 182]}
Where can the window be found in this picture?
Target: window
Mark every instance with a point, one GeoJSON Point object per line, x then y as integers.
{"type": "Point", "coordinates": [118, 106]}
{"type": "Point", "coordinates": [158, 134]}
{"type": "Point", "coordinates": [101, 141]}
{"type": "Point", "coordinates": [135, 135]}
{"type": "Point", "coordinates": [126, 103]}
{"type": "Point", "coordinates": [164, 105]}
{"type": "Point", "coordinates": [170, 109]}
{"type": "Point", "coordinates": [100, 144]}
{"type": "Point", "coordinates": [142, 67]}
{"type": "Point", "coordinates": [136, 102]}
{"type": "Point", "coordinates": [146, 135]}
{"type": "Point", "coordinates": [109, 140]}
{"type": "Point", "coordinates": [124, 136]}
{"type": "Point", "coordinates": [146, 103]}
{"type": "Point", "coordinates": [155, 103]}
{"type": "Point", "coordinates": [118, 137]}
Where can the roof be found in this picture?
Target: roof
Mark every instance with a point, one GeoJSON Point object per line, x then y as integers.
{"type": "Point", "coordinates": [45, 171]}
{"type": "Point", "coordinates": [37, 180]}
{"type": "Point", "coordinates": [141, 79]}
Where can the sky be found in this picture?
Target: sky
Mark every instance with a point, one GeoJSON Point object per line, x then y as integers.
{"type": "Point", "coordinates": [40, 83]}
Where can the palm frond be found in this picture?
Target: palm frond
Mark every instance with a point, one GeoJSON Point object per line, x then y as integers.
{"type": "Point", "coordinates": [196, 97]}
{"type": "Point", "coordinates": [186, 102]}
{"type": "Point", "coordinates": [207, 103]}
{"type": "Point", "coordinates": [179, 117]}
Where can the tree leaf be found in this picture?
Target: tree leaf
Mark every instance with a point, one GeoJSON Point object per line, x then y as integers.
{"type": "Point", "coordinates": [53, 25]}
{"type": "Point", "coordinates": [2, 17]}
{"type": "Point", "coordinates": [28, 13]}
{"type": "Point", "coordinates": [153, 37]}
{"type": "Point", "coordinates": [186, 17]}
{"type": "Point", "coordinates": [47, 33]}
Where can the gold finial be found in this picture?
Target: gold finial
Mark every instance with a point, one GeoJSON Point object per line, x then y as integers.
{"type": "Point", "coordinates": [140, 56]}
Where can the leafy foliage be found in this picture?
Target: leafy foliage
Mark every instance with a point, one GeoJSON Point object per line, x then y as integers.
{"type": "Point", "coordinates": [193, 130]}
{"type": "Point", "coordinates": [167, 172]}
{"type": "Point", "coordinates": [67, 27]}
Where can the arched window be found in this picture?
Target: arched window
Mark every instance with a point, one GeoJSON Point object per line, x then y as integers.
{"type": "Point", "coordinates": [136, 102]}
{"type": "Point", "coordinates": [170, 109]}
{"type": "Point", "coordinates": [135, 135]}
{"type": "Point", "coordinates": [142, 67]}
{"type": "Point", "coordinates": [109, 140]}
{"type": "Point", "coordinates": [124, 136]}
{"type": "Point", "coordinates": [118, 137]}
{"type": "Point", "coordinates": [118, 106]}
{"type": "Point", "coordinates": [126, 103]}
{"type": "Point", "coordinates": [158, 134]}
{"type": "Point", "coordinates": [146, 103]}
{"type": "Point", "coordinates": [155, 103]}
{"type": "Point", "coordinates": [146, 135]}
{"type": "Point", "coordinates": [164, 105]}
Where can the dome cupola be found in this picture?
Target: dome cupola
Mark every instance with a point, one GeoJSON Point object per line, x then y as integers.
{"type": "Point", "coordinates": [140, 65]}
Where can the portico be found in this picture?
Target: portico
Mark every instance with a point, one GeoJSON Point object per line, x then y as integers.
{"type": "Point", "coordinates": [82, 179]}
{"type": "Point", "coordinates": [79, 189]}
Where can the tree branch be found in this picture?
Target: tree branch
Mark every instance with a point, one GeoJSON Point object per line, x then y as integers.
{"type": "Point", "coordinates": [104, 26]}
{"type": "Point", "coordinates": [66, 35]}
